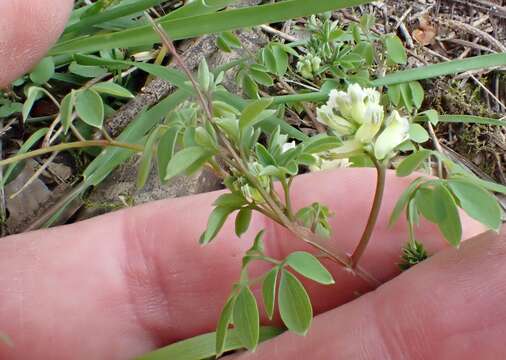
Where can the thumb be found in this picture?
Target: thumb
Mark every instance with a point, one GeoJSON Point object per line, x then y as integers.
{"type": "Point", "coordinates": [27, 30]}
{"type": "Point", "coordinates": [451, 306]}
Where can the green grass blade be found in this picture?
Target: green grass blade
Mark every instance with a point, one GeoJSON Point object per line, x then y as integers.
{"type": "Point", "coordinates": [111, 14]}
{"type": "Point", "coordinates": [422, 73]}
{"type": "Point", "coordinates": [442, 69]}
{"type": "Point", "coordinates": [198, 7]}
{"type": "Point", "coordinates": [470, 119]}
{"type": "Point", "coordinates": [203, 346]}
{"type": "Point", "coordinates": [207, 24]}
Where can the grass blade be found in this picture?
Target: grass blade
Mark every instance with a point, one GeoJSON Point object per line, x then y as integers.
{"type": "Point", "coordinates": [441, 69]}
{"type": "Point", "coordinates": [203, 346]}
{"type": "Point", "coordinates": [111, 14]}
{"type": "Point", "coordinates": [184, 28]}
{"type": "Point", "coordinates": [471, 119]}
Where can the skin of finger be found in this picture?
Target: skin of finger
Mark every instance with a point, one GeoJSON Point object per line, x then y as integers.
{"type": "Point", "coordinates": [141, 278]}
{"type": "Point", "coordinates": [449, 307]}
{"type": "Point", "coordinates": [27, 30]}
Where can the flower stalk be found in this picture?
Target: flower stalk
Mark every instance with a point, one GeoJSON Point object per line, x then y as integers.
{"type": "Point", "coordinates": [374, 214]}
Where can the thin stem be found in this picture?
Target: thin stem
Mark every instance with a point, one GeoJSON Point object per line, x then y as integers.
{"type": "Point", "coordinates": [373, 216]}
{"type": "Point", "coordinates": [167, 42]}
{"type": "Point", "coordinates": [288, 200]}
{"type": "Point", "coordinates": [67, 146]}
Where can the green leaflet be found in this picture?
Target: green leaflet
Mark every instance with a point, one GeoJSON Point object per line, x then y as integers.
{"type": "Point", "coordinates": [294, 304]}
{"type": "Point", "coordinates": [309, 266]}
{"type": "Point", "coordinates": [247, 319]}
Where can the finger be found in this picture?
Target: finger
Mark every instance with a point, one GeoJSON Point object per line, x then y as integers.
{"type": "Point", "coordinates": [139, 275]}
{"type": "Point", "coordinates": [27, 30]}
{"type": "Point", "coordinates": [449, 307]}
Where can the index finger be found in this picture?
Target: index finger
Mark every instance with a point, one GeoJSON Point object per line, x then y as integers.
{"type": "Point", "coordinates": [27, 31]}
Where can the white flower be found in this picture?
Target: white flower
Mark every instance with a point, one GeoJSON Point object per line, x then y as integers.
{"type": "Point", "coordinates": [340, 101]}
{"type": "Point", "coordinates": [326, 115]}
{"type": "Point", "coordinates": [395, 133]}
{"type": "Point", "coordinates": [373, 119]}
{"type": "Point", "coordinates": [288, 146]}
{"type": "Point", "coordinates": [373, 96]}
{"type": "Point", "coordinates": [323, 165]}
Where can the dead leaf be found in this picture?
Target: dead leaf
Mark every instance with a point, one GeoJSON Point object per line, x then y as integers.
{"type": "Point", "coordinates": [426, 32]}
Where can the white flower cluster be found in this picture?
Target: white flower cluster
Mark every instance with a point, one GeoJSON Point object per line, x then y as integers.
{"type": "Point", "coordinates": [358, 118]}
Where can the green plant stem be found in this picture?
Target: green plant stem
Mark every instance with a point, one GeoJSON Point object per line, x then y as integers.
{"type": "Point", "coordinates": [288, 200]}
{"type": "Point", "coordinates": [373, 216]}
{"type": "Point", "coordinates": [68, 146]}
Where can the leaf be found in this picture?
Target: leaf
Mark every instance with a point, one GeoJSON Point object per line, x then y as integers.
{"type": "Point", "coordinates": [412, 162]}
{"type": "Point", "coordinates": [477, 202]}
{"type": "Point", "coordinates": [90, 108]}
{"type": "Point", "coordinates": [431, 115]}
{"type": "Point", "coordinates": [10, 108]}
{"type": "Point", "coordinates": [395, 50]}
{"type": "Point", "coordinates": [417, 93]}
{"type": "Point", "coordinates": [269, 60]}
{"type": "Point", "coordinates": [261, 77]}
{"type": "Point", "coordinates": [281, 58]}
{"type": "Point", "coordinates": [252, 112]}
{"type": "Point", "coordinates": [309, 266]}
{"type": "Point", "coordinates": [250, 87]}
{"type": "Point", "coordinates": [269, 291]}
{"type": "Point", "coordinates": [247, 319]}
{"type": "Point", "coordinates": [216, 221]}
{"type": "Point", "coordinates": [426, 202]}
{"type": "Point", "coordinates": [321, 143]}
{"type": "Point", "coordinates": [294, 304]}
{"type": "Point", "coordinates": [418, 134]}
{"type": "Point", "coordinates": [204, 346]}
{"type": "Point", "coordinates": [470, 119]}
{"type": "Point", "coordinates": [231, 200]}
{"type": "Point", "coordinates": [43, 72]}
{"type": "Point", "coordinates": [166, 150]}
{"type": "Point", "coordinates": [264, 156]}
{"type": "Point", "coordinates": [66, 110]}
{"type": "Point", "coordinates": [189, 26]}
{"type": "Point", "coordinates": [223, 322]}
{"type": "Point", "coordinates": [228, 41]}
{"type": "Point", "coordinates": [34, 94]}
{"type": "Point", "coordinates": [203, 75]}
{"type": "Point", "coordinates": [113, 89]}
{"type": "Point", "coordinates": [242, 221]}
{"type": "Point", "coordinates": [450, 224]}
{"type": "Point", "coordinates": [147, 159]}
{"type": "Point", "coordinates": [442, 69]}
{"type": "Point", "coordinates": [403, 201]}
{"type": "Point", "coordinates": [87, 71]}
{"type": "Point", "coordinates": [394, 94]}
{"type": "Point", "coordinates": [407, 97]}
{"type": "Point", "coordinates": [183, 160]}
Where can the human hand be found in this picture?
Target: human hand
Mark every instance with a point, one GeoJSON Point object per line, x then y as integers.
{"type": "Point", "coordinates": [126, 283]}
